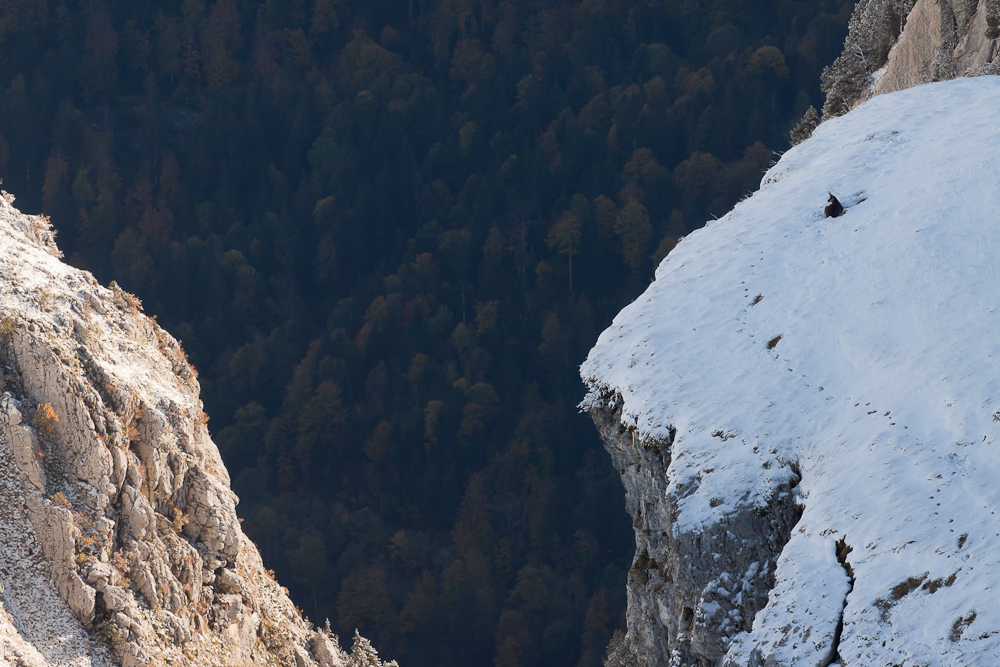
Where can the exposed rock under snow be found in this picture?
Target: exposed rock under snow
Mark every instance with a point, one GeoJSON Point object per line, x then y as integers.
{"type": "Point", "coordinates": [806, 411]}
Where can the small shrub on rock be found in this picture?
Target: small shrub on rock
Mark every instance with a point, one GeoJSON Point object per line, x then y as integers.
{"type": "Point", "coordinates": [44, 420]}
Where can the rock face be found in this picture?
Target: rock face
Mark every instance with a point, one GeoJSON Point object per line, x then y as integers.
{"type": "Point", "coordinates": [897, 44]}
{"type": "Point", "coordinates": [805, 411]}
{"type": "Point", "coordinates": [690, 592]}
{"type": "Point", "coordinates": [942, 39]}
{"type": "Point", "coordinates": [118, 530]}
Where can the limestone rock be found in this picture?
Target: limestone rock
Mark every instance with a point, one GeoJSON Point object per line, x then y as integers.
{"type": "Point", "coordinates": [690, 592]}
{"type": "Point", "coordinates": [326, 651]}
{"type": "Point", "coordinates": [940, 40]}
{"type": "Point", "coordinates": [24, 444]}
{"type": "Point", "coordinates": [118, 525]}
{"type": "Point", "coordinates": [230, 582]}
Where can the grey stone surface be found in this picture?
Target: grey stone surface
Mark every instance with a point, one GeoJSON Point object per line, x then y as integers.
{"type": "Point", "coordinates": [690, 593]}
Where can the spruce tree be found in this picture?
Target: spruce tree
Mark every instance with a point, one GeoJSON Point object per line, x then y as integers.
{"type": "Point", "coordinates": [874, 27]}
{"type": "Point", "coordinates": [805, 127]}
{"type": "Point", "coordinates": [363, 654]}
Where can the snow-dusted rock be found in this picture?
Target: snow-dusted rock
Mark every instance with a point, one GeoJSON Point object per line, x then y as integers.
{"type": "Point", "coordinates": [806, 411]}
{"type": "Point", "coordinates": [690, 591]}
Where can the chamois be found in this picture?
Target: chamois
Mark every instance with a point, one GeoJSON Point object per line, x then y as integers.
{"type": "Point", "coordinates": [834, 208]}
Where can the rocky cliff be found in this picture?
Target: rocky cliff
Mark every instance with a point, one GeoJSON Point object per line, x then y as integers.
{"type": "Point", "coordinates": [942, 39]}
{"type": "Point", "coordinates": [805, 411]}
{"type": "Point", "coordinates": [119, 537]}
{"type": "Point", "coordinates": [897, 44]}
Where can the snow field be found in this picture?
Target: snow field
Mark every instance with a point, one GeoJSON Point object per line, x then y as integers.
{"type": "Point", "coordinates": [864, 349]}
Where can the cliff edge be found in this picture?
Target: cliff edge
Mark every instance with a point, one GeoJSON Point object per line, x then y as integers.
{"type": "Point", "coordinates": [118, 530]}
{"type": "Point", "coordinates": [805, 411]}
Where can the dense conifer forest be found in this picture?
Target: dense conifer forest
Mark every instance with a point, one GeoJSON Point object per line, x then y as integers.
{"type": "Point", "coordinates": [387, 234]}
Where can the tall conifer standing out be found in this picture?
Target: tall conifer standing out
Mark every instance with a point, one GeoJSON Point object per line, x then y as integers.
{"type": "Point", "coordinates": [564, 237]}
{"type": "Point", "coordinates": [633, 228]}
{"type": "Point", "coordinates": [805, 127]}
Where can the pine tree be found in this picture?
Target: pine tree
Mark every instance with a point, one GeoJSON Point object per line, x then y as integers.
{"type": "Point", "coordinates": [102, 47]}
{"type": "Point", "coordinates": [564, 237]}
{"type": "Point", "coordinates": [874, 27]}
{"type": "Point", "coordinates": [363, 654]}
{"type": "Point", "coordinates": [633, 228]}
{"type": "Point", "coordinates": [805, 127]}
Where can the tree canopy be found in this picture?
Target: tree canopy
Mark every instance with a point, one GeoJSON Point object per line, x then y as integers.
{"type": "Point", "coordinates": [387, 234]}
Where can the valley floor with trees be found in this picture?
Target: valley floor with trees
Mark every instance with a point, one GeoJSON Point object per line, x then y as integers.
{"type": "Point", "coordinates": [387, 235]}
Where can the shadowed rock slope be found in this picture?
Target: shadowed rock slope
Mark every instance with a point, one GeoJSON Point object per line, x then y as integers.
{"type": "Point", "coordinates": [119, 537]}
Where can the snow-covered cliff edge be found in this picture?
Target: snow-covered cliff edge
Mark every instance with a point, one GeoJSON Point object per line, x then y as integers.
{"type": "Point", "coordinates": [806, 411]}
{"type": "Point", "coordinates": [119, 540]}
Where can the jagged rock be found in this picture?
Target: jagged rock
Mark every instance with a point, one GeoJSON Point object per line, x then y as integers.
{"type": "Point", "coordinates": [302, 658]}
{"type": "Point", "coordinates": [116, 599]}
{"type": "Point", "coordinates": [230, 582]}
{"type": "Point", "coordinates": [326, 651]}
{"type": "Point", "coordinates": [79, 596]}
{"type": "Point", "coordinates": [23, 444]}
{"type": "Point", "coordinates": [212, 514]}
{"type": "Point", "coordinates": [942, 39]}
{"type": "Point", "coordinates": [691, 591]}
{"type": "Point", "coordinates": [118, 527]}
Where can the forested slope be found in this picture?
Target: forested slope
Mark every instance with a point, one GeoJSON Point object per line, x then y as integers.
{"type": "Point", "coordinates": [387, 236]}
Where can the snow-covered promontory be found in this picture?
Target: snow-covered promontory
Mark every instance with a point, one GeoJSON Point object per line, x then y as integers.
{"type": "Point", "coordinates": [806, 411]}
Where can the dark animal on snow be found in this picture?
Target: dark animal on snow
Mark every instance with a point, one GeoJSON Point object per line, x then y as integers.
{"type": "Point", "coordinates": [834, 209]}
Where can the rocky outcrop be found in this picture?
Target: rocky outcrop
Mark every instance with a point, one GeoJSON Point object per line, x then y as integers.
{"type": "Point", "coordinates": [895, 45]}
{"type": "Point", "coordinates": [119, 531]}
{"type": "Point", "coordinates": [942, 39]}
{"type": "Point", "coordinates": [690, 591]}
